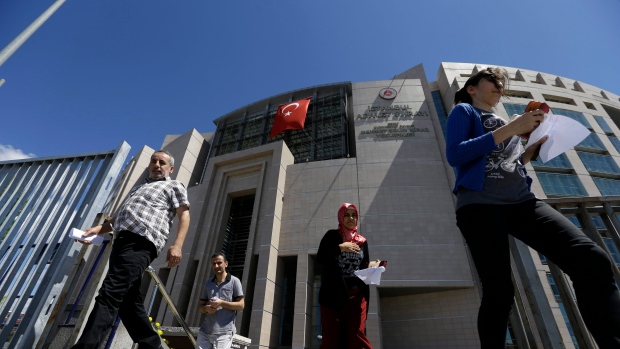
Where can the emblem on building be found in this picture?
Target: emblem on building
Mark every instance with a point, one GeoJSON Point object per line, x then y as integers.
{"type": "Point", "coordinates": [387, 93]}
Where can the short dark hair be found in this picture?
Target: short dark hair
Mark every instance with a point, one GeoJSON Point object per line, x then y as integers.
{"type": "Point", "coordinates": [494, 75]}
{"type": "Point", "coordinates": [219, 254]}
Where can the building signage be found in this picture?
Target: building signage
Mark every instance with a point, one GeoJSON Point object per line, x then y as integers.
{"type": "Point", "coordinates": [387, 93]}
{"type": "Point", "coordinates": [394, 130]}
{"type": "Point", "coordinates": [392, 111]}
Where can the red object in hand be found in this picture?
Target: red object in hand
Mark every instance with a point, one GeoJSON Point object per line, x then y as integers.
{"type": "Point", "coordinates": [531, 106]}
{"type": "Point", "coordinates": [383, 264]}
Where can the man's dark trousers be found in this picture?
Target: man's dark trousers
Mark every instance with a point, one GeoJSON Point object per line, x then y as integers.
{"type": "Point", "coordinates": [120, 294]}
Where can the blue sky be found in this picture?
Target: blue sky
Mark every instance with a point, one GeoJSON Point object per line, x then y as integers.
{"type": "Point", "coordinates": [104, 71]}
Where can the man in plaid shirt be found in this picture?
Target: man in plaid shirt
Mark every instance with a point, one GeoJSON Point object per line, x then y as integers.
{"type": "Point", "coordinates": [142, 226]}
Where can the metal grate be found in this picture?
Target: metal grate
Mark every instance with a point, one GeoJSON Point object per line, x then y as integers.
{"type": "Point", "coordinates": [237, 233]}
{"type": "Point", "coordinates": [40, 200]}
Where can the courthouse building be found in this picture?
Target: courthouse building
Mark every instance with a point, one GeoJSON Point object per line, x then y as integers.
{"type": "Point", "coordinates": [267, 203]}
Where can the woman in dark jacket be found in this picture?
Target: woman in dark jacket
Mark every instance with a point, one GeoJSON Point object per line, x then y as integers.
{"type": "Point", "coordinates": [343, 296]}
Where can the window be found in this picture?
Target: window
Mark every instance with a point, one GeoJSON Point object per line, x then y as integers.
{"type": "Point", "coordinates": [323, 137]}
{"type": "Point", "coordinates": [554, 288]}
{"type": "Point", "coordinates": [592, 142]}
{"type": "Point", "coordinates": [518, 94]}
{"type": "Point", "coordinates": [609, 243]}
{"type": "Point", "coordinates": [575, 115]}
{"type": "Point", "coordinates": [589, 105]}
{"type": "Point", "coordinates": [236, 235]}
{"type": "Point", "coordinates": [543, 259]}
{"type": "Point", "coordinates": [557, 184]}
{"type": "Point", "coordinates": [599, 163]}
{"type": "Point", "coordinates": [606, 186]}
{"type": "Point", "coordinates": [613, 250]}
{"type": "Point", "coordinates": [603, 124]}
{"type": "Point", "coordinates": [615, 141]}
{"type": "Point", "coordinates": [512, 109]}
{"type": "Point", "coordinates": [559, 162]}
{"type": "Point", "coordinates": [575, 221]}
{"type": "Point", "coordinates": [559, 99]}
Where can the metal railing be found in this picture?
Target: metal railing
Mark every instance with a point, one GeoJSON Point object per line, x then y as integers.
{"type": "Point", "coordinates": [162, 290]}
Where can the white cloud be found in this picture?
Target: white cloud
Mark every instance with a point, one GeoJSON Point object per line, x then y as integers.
{"type": "Point", "coordinates": [7, 152]}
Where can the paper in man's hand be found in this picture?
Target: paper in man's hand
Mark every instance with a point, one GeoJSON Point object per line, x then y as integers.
{"type": "Point", "coordinates": [76, 234]}
{"type": "Point", "coordinates": [564, 133]}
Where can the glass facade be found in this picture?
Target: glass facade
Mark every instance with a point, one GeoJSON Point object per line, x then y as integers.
{"type": "Point", "coordinates": [607, 186]}
{"type": "Point", "coordinates": [609, 243]}
{"type": "Point", "coordinates": [575, 115]}
{"type": "Point", "coordinates": [615, 141]}
{"type": "Point", "coordinates": [558, 184]}
{"type": "Point", "coordinates": [592, 142]}
{"type": "Point", "coordinates": [603, 124]}
{"type": "Point", "coordinates": [599, 163]}
{"type": "Point", "coordinates": [324, 135]}
{"type": "Point", "coordinates": [561, 162]}
{"type": "Point", "coordinates": [556, 294]}
{"type": "Point", "coordinates": [512, 109]}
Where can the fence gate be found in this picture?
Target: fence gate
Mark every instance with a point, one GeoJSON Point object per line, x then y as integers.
{"type": "Point", "coordinates": [40, 200]}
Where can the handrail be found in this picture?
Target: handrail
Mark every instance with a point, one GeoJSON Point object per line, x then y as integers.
{"type": "Point", "coordinates": [85, 285]}
{"type": "Point", "coordinates": [173, 308]}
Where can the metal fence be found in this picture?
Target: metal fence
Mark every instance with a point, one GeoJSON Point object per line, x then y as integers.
{"type": "Point", "coordinates": [40, 200]}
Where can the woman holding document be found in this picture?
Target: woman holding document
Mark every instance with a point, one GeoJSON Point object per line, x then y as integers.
{"type": "Point", "coordinates": [343, 296]}
{"type": "Point", "coordinates": [494, 200]}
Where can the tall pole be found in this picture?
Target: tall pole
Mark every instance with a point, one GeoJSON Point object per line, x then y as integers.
{"type": "Point", "coordinates": [24, 35]}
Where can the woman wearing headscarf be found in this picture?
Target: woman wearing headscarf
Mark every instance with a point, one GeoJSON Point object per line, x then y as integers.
{"type": "Point", "coordinates": [343, 296]}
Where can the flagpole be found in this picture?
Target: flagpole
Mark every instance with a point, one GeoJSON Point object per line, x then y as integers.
{"type": "Point", "coordinates": [26, 33]}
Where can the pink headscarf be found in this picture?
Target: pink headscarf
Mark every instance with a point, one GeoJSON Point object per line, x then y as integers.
{"type": "Point", "coordinates": [349, 235]}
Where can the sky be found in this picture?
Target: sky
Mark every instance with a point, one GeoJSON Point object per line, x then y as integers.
{"type": "Point", "coordinates": [100, 72]}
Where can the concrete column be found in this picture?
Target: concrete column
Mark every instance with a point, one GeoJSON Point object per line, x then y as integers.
{"type": "Point", "coordinates": [264, 292]}
{"type": "Point", "coordinates": [373, 323]}
{"type": "Point", "coordinates": [302, 321]}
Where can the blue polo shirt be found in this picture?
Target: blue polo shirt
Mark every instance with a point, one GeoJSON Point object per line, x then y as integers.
{"type": "Point", "coordinates": [223, 321]}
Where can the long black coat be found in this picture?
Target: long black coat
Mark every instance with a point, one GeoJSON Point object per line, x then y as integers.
{"type": "Point", "coordinates": [333, 292]}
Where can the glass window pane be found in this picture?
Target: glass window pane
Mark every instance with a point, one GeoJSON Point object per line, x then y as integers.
{"type": "Point", "coordinates": [592, 142]}
{"type": "Point", "coordinates": [599, 163]}
{"type": "Point", "coordinates": [324, 135]}
{"type": "Point", "coordinates": [512, 109]}
{"type": "Point", "coordinates": [607, 186]}
{"type": "Point", "coordinates": [615, 141]}
{"type": "Point", "coordinates": [575, 115]}
{"type": "Point", "coordinates": [557, 184]}
{"type": "Point", "coordinates": [603, 124]}
{"type": "Point", "coordinates": [560, 161]}
{"type": "Point", "coordinates": [613, 250]}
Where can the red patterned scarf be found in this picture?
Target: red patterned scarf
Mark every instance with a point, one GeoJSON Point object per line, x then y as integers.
{"type": "Point", "coordinates": [349, 235]}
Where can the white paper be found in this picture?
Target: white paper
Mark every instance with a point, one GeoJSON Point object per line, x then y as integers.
{"type": "Point", "coordinates": [370, 276]}
{"type": "Point", "coordinates": [76, 234]}
{"type": "Point", "coordinates": [564, 133]}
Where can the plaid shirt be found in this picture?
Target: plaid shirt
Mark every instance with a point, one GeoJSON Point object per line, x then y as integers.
{"type": "Point", "coordinates": [149, 209]}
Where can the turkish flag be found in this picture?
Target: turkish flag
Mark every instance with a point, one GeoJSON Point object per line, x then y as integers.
{"type": "Point", "coordinates": [291, 116]}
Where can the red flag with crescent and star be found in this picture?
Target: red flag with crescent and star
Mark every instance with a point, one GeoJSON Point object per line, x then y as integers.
{"type": "Point", "coordinates": [291, 116]}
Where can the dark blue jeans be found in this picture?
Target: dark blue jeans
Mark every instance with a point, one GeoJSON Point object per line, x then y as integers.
{"type": "Point", "coordinates": [120, 295]}
{"type": "Point", "coordinates": [486, 229]}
